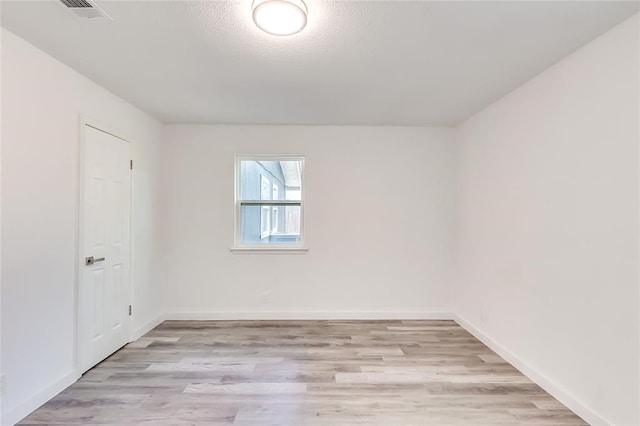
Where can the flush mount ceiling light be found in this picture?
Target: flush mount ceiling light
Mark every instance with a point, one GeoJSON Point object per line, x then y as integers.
{"type": "Point", "coordinates": [280, 17]}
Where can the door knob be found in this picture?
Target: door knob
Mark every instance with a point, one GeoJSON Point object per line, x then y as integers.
{"type": "Point", "coordinates": [90, 260]}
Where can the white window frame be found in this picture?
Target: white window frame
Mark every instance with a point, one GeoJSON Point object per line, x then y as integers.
{"type": "Point", "coordinates": [239, 247]}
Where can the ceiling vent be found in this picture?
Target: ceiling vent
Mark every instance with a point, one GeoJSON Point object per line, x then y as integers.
{"type": "Point", "coordinates": [85, 9]}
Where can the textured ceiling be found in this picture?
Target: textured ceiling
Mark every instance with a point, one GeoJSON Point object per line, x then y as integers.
{"type": "Point", "coordinates": [357, 62]}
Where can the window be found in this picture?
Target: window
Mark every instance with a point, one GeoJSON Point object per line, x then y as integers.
{"type": "Point", "coordinates": [269, 203]}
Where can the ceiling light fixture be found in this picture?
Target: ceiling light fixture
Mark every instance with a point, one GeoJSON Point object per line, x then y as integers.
{"type": "Point", "coordinates": [280, 17]}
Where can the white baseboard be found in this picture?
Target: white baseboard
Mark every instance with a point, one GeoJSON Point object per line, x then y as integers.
{"type": "Point", "coordinates": [558, 392]}
{"type": "Point", "coordinates": [307, 315]}
{"type": "Point", "coordinates": [18, 413]}
{"type": "Point", "coordinates": [147, 327]}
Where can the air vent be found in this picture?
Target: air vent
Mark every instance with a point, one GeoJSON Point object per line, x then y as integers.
{"type": "Point", "coordinates": [85, 9]}
{"type": "Point", "coordinates": [76, 3]}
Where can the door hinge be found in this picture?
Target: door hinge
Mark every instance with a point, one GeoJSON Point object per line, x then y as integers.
{"type": "Point", "coordinates": [131, 164]}
{"type": "Point", "coordinates": [129, 310]}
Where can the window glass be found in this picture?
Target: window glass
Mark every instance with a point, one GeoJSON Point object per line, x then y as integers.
{"type": "Point", "coordinates": [269, 201]}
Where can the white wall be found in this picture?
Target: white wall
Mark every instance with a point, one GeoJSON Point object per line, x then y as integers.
{"type": "Point", "coordinates": [546, 232]}
{"type": "Point", "coordinates": [548, 227]}
{"type": "Point", "coordinates": [1, 370]}
{"type": "Point", "coordinates": [379, 216]}
{"type": "Point", "coordinates": [41, 105]}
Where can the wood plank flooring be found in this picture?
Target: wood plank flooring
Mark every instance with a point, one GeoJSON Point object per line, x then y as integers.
{"type": "Point", "coordinates": [304, 373]}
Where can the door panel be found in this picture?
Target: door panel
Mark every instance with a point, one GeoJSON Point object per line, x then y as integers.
{"type": "Point", "coordinates": [117, 294]}
{"type": "Point", "coordinates": [97, 291]}
{"type": "Point", "coordinates": [106, 228]}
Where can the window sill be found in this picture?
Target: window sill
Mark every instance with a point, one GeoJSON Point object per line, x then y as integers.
{"type": "Point", "coordinates": [269, 250]}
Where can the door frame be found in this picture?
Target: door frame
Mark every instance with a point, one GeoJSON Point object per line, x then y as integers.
{"type": "Point", "coordinates": [79, 261]}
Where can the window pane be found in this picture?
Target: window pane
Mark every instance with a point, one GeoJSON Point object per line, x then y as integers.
{"type": "Point", "coordinates": [265, 188]}
{"type": "Point", "coordinates": [269, 224]}
{"type": "Point", "coordinates": [265, 221]}
{"type": "Point", "coordinates": [270, 180]}
{"type": "Point", "coordinates": [293, 194]}
{"type": "Point", "coordinates": [292, 220]}
{"type": "Point", "coordinates": [274, 220]}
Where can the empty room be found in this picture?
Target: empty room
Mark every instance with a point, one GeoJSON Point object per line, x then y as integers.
{"type": "Point", "coordinates": [320, 212]}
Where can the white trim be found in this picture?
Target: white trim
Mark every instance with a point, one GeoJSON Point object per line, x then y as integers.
{"type": "Point", "coordinates": [98, 125]}
{"type": "Point", "coordinates": [27, 407]}
{"type": "Point", "coordinates": [147, 327]}
{"type": "Point", "coordinates": [309, 315]}
{"type": "Point", "coordinates": [104, 127]}
{"type": "Point", "coordinates": [270, 203]}
{"type": "Point", "coordinates": [79, 243]}
{"type": "Point", "coordinates": [546, 383]}
{"type": "Point", "coordinates": [269, 248]}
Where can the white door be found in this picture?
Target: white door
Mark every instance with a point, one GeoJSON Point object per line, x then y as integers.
{"type": "Point", "coordinates": [103, 296]}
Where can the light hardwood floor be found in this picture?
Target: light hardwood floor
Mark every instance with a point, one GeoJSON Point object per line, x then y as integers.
{"type": "Point", "coordinates": [305, 373]}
